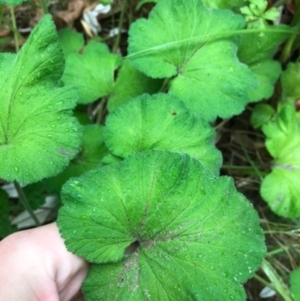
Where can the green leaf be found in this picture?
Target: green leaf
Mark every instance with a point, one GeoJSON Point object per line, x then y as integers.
{"type": "Point", "coordinates": [161, 122]}
{"type": "Point", "coordinates": [290, 79]}
{"type": "Point", "coordinates": [224, 3]}
{"type": "Point", "coordinates": [280, 189]}
{"type": "Point", "coordinates": [267, 74]}
{"type": "Point", "coordinates": [192, 238]}
{"type": "Point", "coordinates": [5, 227]}
{"type": "Point", "coordinates": [70, 41]}
{"type": "Point", "coordinates": [261, 114]}
{"type": "Point", "coordinates": [142, 2]}
{"type": "Point", "coordinates": [36, 194]}
{"type": "Point", "coordinates": [12, 2]}
{"type": "Point", "coordinates": [131, 83]}
{"type": "Point", "coordinates": [294, 283]}
{"type": "Point", "coordinates": [91, 152]}
{"type": "Point", "coordinates": [161, 47]}
{"type": "Point", "coordinates": [257, 13]}
{"type": "Point", "coordinates": [257, 51]}
{"type": "Point", "coordinates": [92, 72]}
{"type": "Point", "coordinates": [38, 137]}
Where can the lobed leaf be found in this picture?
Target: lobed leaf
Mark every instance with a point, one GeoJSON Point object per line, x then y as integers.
{"type": "Point", "coordinates": [257, 51]}
{"type": "Point", "coordinates": [290, 79]}
{"type": "Point", "coordinates": [280, 189]}
{"type": "Point", "coordinates": [187, 231]}
{"type": "Point", "coordinates": [161, 47]}
{"type": "Point", "coordinates": [131, 83]}
{"type": "Point", "coordinates": [92, 72]}
{"type": "Point", "coordinates": [38, 136]}
{"type": "Point", "coordinates": [261, 114]}
{"type": "Point", "coordinates": [161, 122]}
{"type": "Point", "coordinates": [92, 150]}
{"type": "Point", "coordinates": [70, 41]}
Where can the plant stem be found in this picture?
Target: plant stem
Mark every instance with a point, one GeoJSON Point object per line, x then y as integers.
{"type": "Point", "coordinates": [25, 203]}
{"type": "Point", "coordinates": [44, 6]}
{"type": "Point", "coordinates": [276, 280]}
{"type": "Point", "coordinates": [117, 41]}
{"type": "Point", "coordinates": [263, 281]}
{"type": "Point", "coordinates": [165, 84]}
{"type": "Point", "coordinates": [280, 2]}
{"type": "Point", "coordinates": [14, 27]}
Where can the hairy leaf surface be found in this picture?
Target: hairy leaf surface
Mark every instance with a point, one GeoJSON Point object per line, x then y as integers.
{"type": "Point", "coordinates": [199, 57]}
{"type": "Point", "coordinates": [192, 241]}
{"type": "Point", "coordinates": [161, 122]}
{"type": "Point", "coordinates": [38, 137]}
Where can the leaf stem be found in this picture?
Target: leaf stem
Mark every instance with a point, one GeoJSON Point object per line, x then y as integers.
{"type": "Point", "coordinates": [44, 6]}
{"type": "Point", "coordinates": [276, 280]}
{"type": "Point", "coordinates": [279, 3]}
{"type": "Point", "coordinates": [14, 27]}
{"type": "Point", "coordinates": [164, 86]}
{"type": "Point", "coordinates": [25, 203]}
{"type": "Point", "coordinates": [263, 281]}
{"type": "Point", "coordinates": [121, 20]}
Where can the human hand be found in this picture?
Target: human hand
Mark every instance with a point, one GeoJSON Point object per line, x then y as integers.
{"type": "Point", "coordinates": [36, 266]}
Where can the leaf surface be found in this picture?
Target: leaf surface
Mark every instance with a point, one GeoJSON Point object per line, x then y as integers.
{"type": "Point", "coordinates": [70, 41]}
{"type": "Point", "coordinates": [92, 72]}
{"type": "Point", "coordinates": [5, 227]}
{"type": "Point", "coordinates": [161, 122]}
{"type": "Point", "coordinates": [261, 114]}
{"type": "Point", "coordinates": [280, 189]}
{"type": "Point", "coordinates": [199, 57]}
{"type": "Point", "coordinates": [11, 2]}
{"type": "Point", "coordinates": [38, 136]}
{"type": "Point", "coordinates": [257, 51]}
{"type": "Point", "coordinates": [92, 150]}
{"type": "Point", "coordinates": [294, 284]}
{"type": "Point", "coordinates": [290, 79]}
{"type": "Point", "coordinates": [193, 241]}
{"type": "Point", "coordinates": [131, 83]}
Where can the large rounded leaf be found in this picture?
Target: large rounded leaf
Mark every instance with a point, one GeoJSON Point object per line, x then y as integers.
{"type": "Point", "coordinates": [183, 232]}
{"type": "Point", "coordinates": [191, 44]}
{"type": "Point", "coordinates": [38, 137]}
{"type": "Point", "coordinates": [161, 122]}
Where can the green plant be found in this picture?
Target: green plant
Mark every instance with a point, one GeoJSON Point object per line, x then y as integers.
{"type": "Point", "coordinates": [144, 203]}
